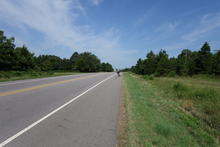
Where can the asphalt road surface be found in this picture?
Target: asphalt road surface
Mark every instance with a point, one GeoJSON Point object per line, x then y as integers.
{"type": "Point", "coordinates": [68, 111]}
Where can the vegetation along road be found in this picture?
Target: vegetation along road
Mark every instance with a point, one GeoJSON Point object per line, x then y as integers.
{"type": "Point", "coordinates": [170, 111]}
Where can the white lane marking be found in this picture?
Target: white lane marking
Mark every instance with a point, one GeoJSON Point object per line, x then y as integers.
{"type": "Point", "coordinates": [50, 78]}
{"type": "Point", "coordinates": [51, 113]}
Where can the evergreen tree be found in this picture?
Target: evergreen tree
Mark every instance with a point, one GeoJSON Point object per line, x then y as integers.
{"type": "Point", "coordinates": [73, 60]}
{"type": "Point", "coordinates": [162, 63]}
{"type": "Point", "coordinates": [150, 64]}
{"type": "Point", "coordinates": [185, 63]}
{"type": "Point", "coordinates": [139, 68]}
{"type": "Point", "coordinates": [203, 61]}
{"type": "Point", "coordinates": [216, 63]}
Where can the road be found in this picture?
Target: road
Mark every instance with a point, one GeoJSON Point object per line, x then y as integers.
{"type": "Point", "coordinates": [68, 111]}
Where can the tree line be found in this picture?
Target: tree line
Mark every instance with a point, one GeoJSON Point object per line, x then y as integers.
{"type": "Point", "coordinates": [21, 59]}
{"type": "Point", "coordinates": [186, 63]}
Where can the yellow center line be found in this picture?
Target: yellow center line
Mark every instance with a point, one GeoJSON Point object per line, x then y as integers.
{"type": "Point", "coordinates": [42, 86]}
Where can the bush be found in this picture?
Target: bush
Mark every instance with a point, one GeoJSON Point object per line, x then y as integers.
{"type": "Point", "coordinates": [50, 73]}
{"type": "Point", "coordinates": [35, 74]}
{"type": "Point", "coordinates": [148, 77]}
{"type": "Point", "coordinates": [180, 90]}
{"type": "Point", "coordinates": [17, 73]}
{"type": "Point", "coordinates": [151, 77]}
{"type": "Point", "coordinates": [179, 87]}
{"type": "Point", "coordinates": [171, 74]}
{"type": "Point", "coordinates": [7, 75]}
{"type": "Point", "coordinates": [1, 75]}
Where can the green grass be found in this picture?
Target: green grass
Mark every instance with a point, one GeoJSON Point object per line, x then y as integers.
{"type": "Point", "coordinates": [200, 97]}
{"type": "Point", "coordinates": [21, 75]}
{"type": "Point", "coordinates": [157, 120]}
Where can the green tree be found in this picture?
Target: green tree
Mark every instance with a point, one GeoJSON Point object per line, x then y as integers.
{"type": "Point", "coordinates": [106, 67]}
{"type": "Point", "coordinates": [150, 63]}
{"type": "Point", "coordinates": [186, 62]}
{"type": "Point", "coordinates": [216, 63]}
{"type": "Point", "coordinates": [73, 60]}
{"type": "Point", "coordinates": [66, 65]}
{"type": "Point", "coordinates": [24, 59]}
{"type": "Point", "coordinates": [139, 68]}
{"type": "Point", "coordinates": [162, 63]}
{"type": "Point", "coordinates": [88, 62]}
{"type": "Point", "coordinates": [7, 55]}
{"type": "Point", "coordinates": [49, 62]}
{"type": "Point", "coordinates": [203, 62]}
{"type": "Point", "coordinates": [173, 65]}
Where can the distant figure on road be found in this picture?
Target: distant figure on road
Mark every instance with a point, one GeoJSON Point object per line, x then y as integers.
{"type": "Point", "coordinates": [118, 73]}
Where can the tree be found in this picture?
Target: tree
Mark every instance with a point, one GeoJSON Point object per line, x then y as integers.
{"type": "Point", "coordinates": [216, 63]}
{"type": "Point", "coordinates": [66, 65]}
{"type": "Point", "coordinates": [7, 56]}
{"type": "Point", "coordinates": [87, 62]}
{"type": "Point", "coordinates": [173, 65]}
{"type": "Point", "coordinates": [73, 60]}
{"type": "Point", "coordinates": [20, 58]}
{"type": "Point", "coordinates": [49, 62]}
{"type": "Point", "coordinates": [24, 59]}
{"type": "Point", "coordinates": [186, 63]}
{"type": "Point", "coordinates": [106, 67]}
{"type": "Point", "coordinates": [150, 64]}
{"type": "Point", "coordinates": [162, 63]}
{"type": "Point", "coordinates": [203, 62]}
{"type": "Point", "coordinates": [139, 68]}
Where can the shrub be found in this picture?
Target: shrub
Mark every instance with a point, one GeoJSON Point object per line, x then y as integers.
{"type": "Point", "coordinates": [148, 77]}
{"type": "Point", "coordinates": [1, 75]}
{"type": "Point", "coordinates": [180, 89]}
{"type": "Point", "coordinates": [34, 74]}
{"type": "Point", "coordinates": [151, 77]}
{"type": "Point", "coordinates": [50, 73]}
{"type": "Point", "coordinates": [171, 74]}
{"type": "Point", "coordinates": [7, 75]}
{"type": "Point", "coordinates": [17, 73]}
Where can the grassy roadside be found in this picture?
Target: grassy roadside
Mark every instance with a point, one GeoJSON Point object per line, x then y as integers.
{"type": "Point", "coordinates": [22, 75]}
{"type": "Point", "coordinates": [200, 97]}
{"type": "Point", "coordinates": [156, 120]}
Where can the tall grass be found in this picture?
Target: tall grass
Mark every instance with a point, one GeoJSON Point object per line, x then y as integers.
{"type": "Point", "coordinates": [199, 96]}
{"type": "Point", "coordinates": [206, 94]}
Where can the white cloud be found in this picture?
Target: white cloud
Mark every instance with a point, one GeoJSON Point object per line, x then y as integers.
{"type": "Point", "coordinates": [207, 23]}
{"type": "Point", "coordinates": [56, 20]}
{"type": "Point", "coordinates": [96, 2]}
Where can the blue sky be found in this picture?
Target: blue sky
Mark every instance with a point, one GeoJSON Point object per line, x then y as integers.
{"type": "Point", "coordinates": [117, 31]}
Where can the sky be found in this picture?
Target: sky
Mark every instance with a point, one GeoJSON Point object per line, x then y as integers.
{"type": "Point", "coordinates": [117, 31]}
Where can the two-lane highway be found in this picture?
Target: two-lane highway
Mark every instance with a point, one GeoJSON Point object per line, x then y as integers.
{"type": "Point", "coordinates": [77, 110]}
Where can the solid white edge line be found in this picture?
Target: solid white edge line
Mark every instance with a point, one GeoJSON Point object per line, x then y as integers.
{"type": "Point", "coordinates": [51, 113]}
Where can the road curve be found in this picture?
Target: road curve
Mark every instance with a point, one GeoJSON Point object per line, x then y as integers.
{"type": "Point", "coordinates": [71, 111]}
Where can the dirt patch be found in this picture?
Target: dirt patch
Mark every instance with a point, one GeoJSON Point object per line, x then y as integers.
{"type": "Point", "coordinates": [122, 126]}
